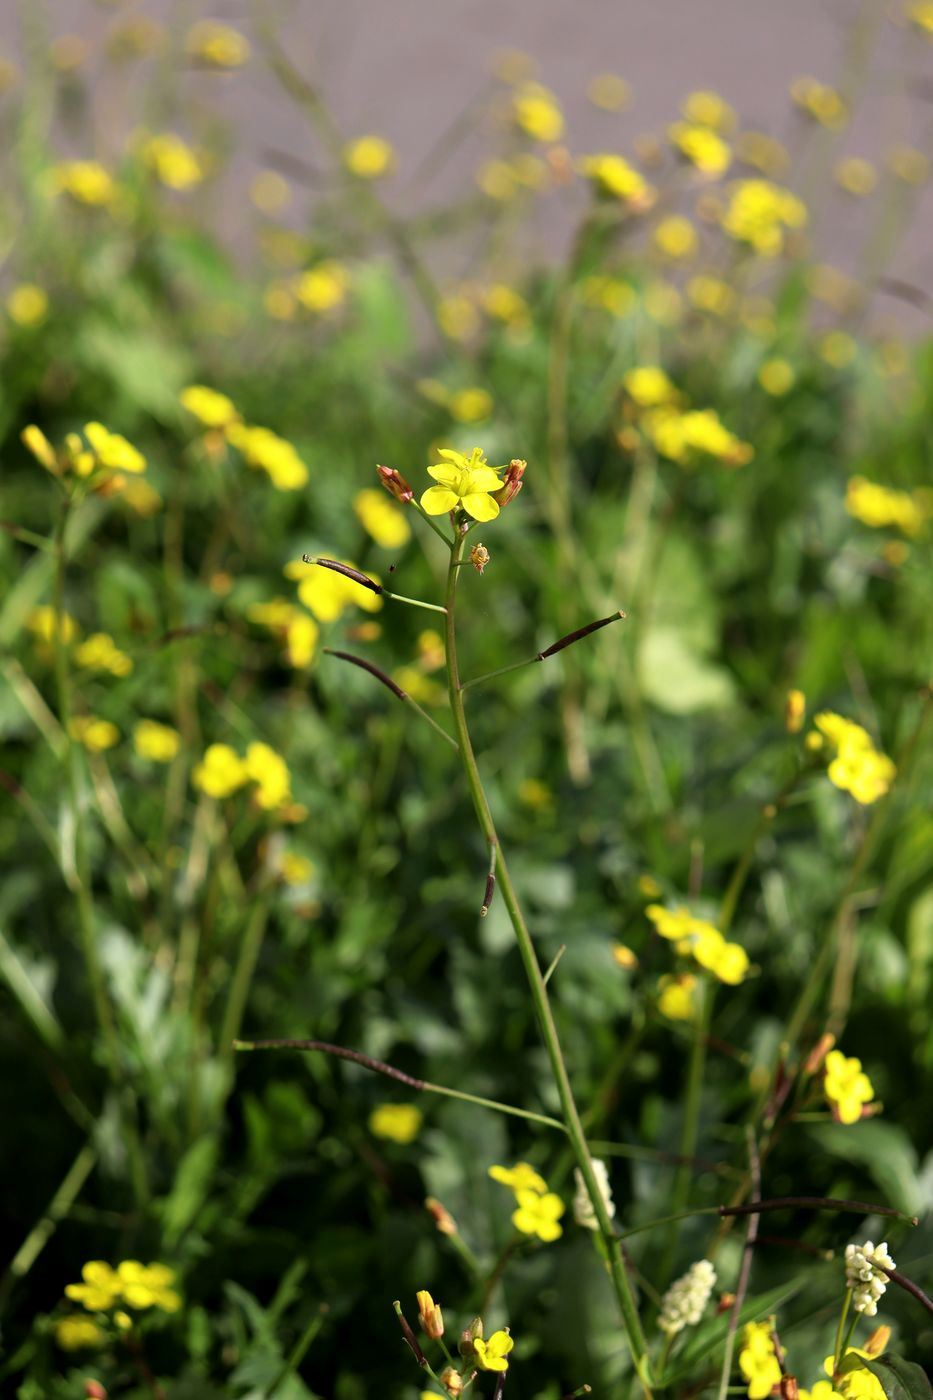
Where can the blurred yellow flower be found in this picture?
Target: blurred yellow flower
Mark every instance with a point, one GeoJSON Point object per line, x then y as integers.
{"type": "Point", "coordinates": [706, 108]}
{"type": "Point", "coordinates": [85, 181]}
{"type": "Point", "coordinates": [538, 1214]}
{"type": "Point", "coordinates": [323, 287]}
{"type": "Point", "coordinates": [157, 742]}
{"type": "Point", "coordinates": [296, 869]}
{"type": "Point", "coordinates": [856, 176]}
{"type": "Point", "coordinates": [216, 45]}
{"type": "Point", "coordinates": [464, 483]}
{"type": "Point", "coordinates": [675, 237]}
{"type": "Point", "coordinates": [795, 709]}
{"type": "Point", "coordinates": [609, 91]}
{"type": "Point", "coordinates": [920, 14]}
{"type": "Point", "coordinates": [727, 961]}
{"type": "Point", "coordinates": [269, 771]}
{"type": "Point", "coordinates": [470, 405]}
{"type": "Point", "coordinates": [48, 624]}
{"type": "Point", "coordinates": [521, 1177]}
{"type": "Point", "coordinates": [211, 408]}
{"type": "Point", "coordinates": [677, 996]}
{"type": "Point", "coordinates": [609, 293]}
{"type": "Point", "coordinates": [908, 164]}
{"type": "Point", "coordinates": [382, 520]}
{"type": "Point", "coordinates": [763, 152]}
{"type": "Point", "coordinates": [505, 304]}
{"type": "Point", "coordinates": [662, 302]}
{"type": "Point", "coordinates": [820, 102]}
{"type": "Point", "coordinates": [97, 735]}
{"type": "Point", "coordinates": [757, 1360]}
{"type": "Point", "coordinates": [99, 652]}
{"type": "Point", "coordinates": [78, 1333]}
{"type": "Point", "coordinates": [27, 304]}
{"type": "Point", "coordinates": [220, 772]}
{"type": "Point", "coordinates": [680, 436]}
{"type": "Point", "coordinates": [648, 386]}
{"type": "Point", "coordinates": [369, 157]}
{"type": "Point", "coordinates": [397, 1122]}
{"type": "Point", "coordinates": [613, 176]}
{"type": "Point", "coordinates": [758, 213]}
{"type": "Point", "coordinates": [269, 191]}
{"type": "Point", "coordinates": [148, 1285]}
{"type": "Point", "coordinates": [112, 450]}
{"type": "Point", "coordinates": [701, 147]}
{"type": "Point", "coordinates": [327, 594]}
{"type": "Point", "coordinates": [264, 449]}
{"type": "Point", "coordinates": [537, 112]}
{"type": "Point", "coordinates": [776, 377]}
{"type": "Point", "coordinates": [99, 1289]}
{"type": "Point", "coordinates": [838, 348]}
{"type": "Point", "coordinates": [880, 506]}
{"type": "Point", "coordinates": [847, 1088]}
{"type": "Point", "coordinates": [858, 767]}
{"type": "Point", "coordinates": [141, 497]}
{"type": "Point", "coordinates": [535, 794]}
{"type": "Point", "coordinates": [36, 442]}
{"type": "Point", "coordinates": [172, 161]}
{"type": "Point", "coordinates": [710, 294]}
{"type": "Point", "coordinates": [279, 302]}
{"type": "Point", "coordinates": [623, 956]}
{"type": "Point", "coordinates": [458, 316]}
{"type": "Point", "coordinates": [493, 1354]}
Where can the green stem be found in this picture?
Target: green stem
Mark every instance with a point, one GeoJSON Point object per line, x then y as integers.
{"type": "Point", "coordinates": [839, 1348]}
{"type": "Point", "coordinates": [58, 1208]}
{"type": "Point", "coordinates": [413, 602]}
{"type": "Point", "coordinates": [441, 534]}
{"type": "Point", "coordinates": [691, 1121]}
{"type": "Point", "coordinates": [539, 993]}
{"type": "Point", "coordinates": [248, 956]}
{"type": "Point", "coordinates": [296, 1355]}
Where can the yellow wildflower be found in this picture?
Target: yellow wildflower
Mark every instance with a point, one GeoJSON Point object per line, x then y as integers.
{"type": "Point", "coordinates": [36, 442]}
{"type": "Point", "coordinates": [708, 109]}
{"type": "Point", "coordinates": [157, 742]}
{"type": "Point", "coordinates": [677, 996]}
{"type": "Point", "coordinates": [470, 405]}
{"type": "Point", "coordinates": [879, 506]}
{"type": "Point", "coordinates": [537, 112]}
{"type": "Point", "coordinates": [710, 294]}
{"type": "Point", "coordinates": [758, 213]}
{"type": "Point", "coordinates": [609, 293]}
{"type": "Point", "coordinates": [264, 449]}
{"type": "Point", "coordinates": [369, 157]}
{"type": "Point", "coordinates": [535, 794]}
{"type": "Point", "coordinates": [112, 450]}
{"type": "Point", "coordinates": [702, 147]}
{"type": "Point", "coordinates": [856, 176]}
{"type": "Point", "coordinates": [211, 408]}
{"type": "Point", "coordinates": [397, 1122]}
{"type": "Point", "coordinates": [675, 237]}
{"type": "Point", "coordinates": [100, 1287]}
{"type": "Point", "coordinates": [908, 164]}
{"type": "Point", "coordinates": [538, 1214]}
{"type": "Point", "coordinates": [465, 483]}
{"type": "Point", "coordinates": [795, 709]}
{"type": "Point", "coordinates": [609, 91]}
{"type": "Point", "coordinates": [505, 304]}
{"type": "Point", "coordinates": [381, 519]}
{"type": "Point", "coordinates": [86, 181]}
{"type": "Point", "coordinates": [141, 497]}
{"type": "Point", "coordinates": [757, 1360]}
{"type": "Point", "coordinates": [324, 286]}
{"type": "Point", "coordinates": [172, 161]}
{"type": "Point", "coordinates": [521, 1177]}
{"type": "Point", "coordinates": [838, 348]}
{"type": "Point", "coordinates": [856, 1385]}
{"type": "Point", "coordinates": [492, 1355]}
{"type": "Point", "coordinates": [97, 735]}
{"type": "Point", "coordinates": [920, 14]}
{"type": "Point", "coordinates": [648, 887]}
{"type": "Point", "coordinates": [662, 302]}
{"type": "Point", "coordinates": [216, 45]}
{"type": "Point", "coordinates": [728, 961]}
{"type": "Point", "coordinates": [858, 767]}
{"type": "Point", "coordinates": [430, 1315]}
{"type": "Point", "coordinates": [327, 594]}
{"type": "Point", "coordinates": [296, 869]}
{"type": "Point", "coordinates": [78, 1333]}
{"type": "Point", "coordinates": [48, 624]}
{"type": "Point", "coordinates": [763, 152]}
{"type": "Point", "coordinates": [776, 377]}
{"type": "Point", "coordinates": [612, 175]}
{"type": "Point", "coordinates": [823, 1390]}
{"type": "Point", "coordinates": [846, 1086]}
{"type": "Point", "coordinates": [419, 686]}
{"type": "Point", "coordinates": [99, 652]}
{"type": "Point", "coordinates": [269, 771]}
{"type": "Point", "coordinates": [457, 316]}
{"type": "Point", "coordinates": [27, 305]}
{"type": "Point", "coordinates": [220, 772]}
{"type": "Point", "coordinates": [824, 104]}
{"type": "Point", "coordinates": [649, 386]}
{"type": "Point", "coordinates": [148, 1285]}
{"type": "Point", "coordinates": [623, 956]}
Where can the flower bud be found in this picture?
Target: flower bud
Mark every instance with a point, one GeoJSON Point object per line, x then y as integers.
{"type": "Point", "coordinates": [432, 1319]}
{"type": "Point", "coordinates": [441, 1216]}
{"type": "Point", "coordinates": [94, 1390]}
{"type": "Point", "coordinates": [789, 1390]}
{"type": "Point", "coordinates": [795, 708]}
{"type": "Point", "coordinates": [468, 1337]}
{"type": "Point", "coordinates": [878, 1340]}
{"type": "Point", "coordinates": [395, 484]}
{"type": "Point", "coordinates": [479, 557]}
{"type": "Point", "coordinates": [511, 482]}
{"type": "Point", "coordinates": [452, 1381]}
{"type": "Point", "coordinates": [36, 442]}
{"type": "Point", "coordinates": [819, 1052]}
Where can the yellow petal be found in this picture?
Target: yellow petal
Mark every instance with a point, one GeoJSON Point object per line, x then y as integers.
{"type": "Point", "coordinates": [478, 504]}
{"type": "Point", "coordinates": [447, 476]}
{"type": "Point", "coordinates": [437, 500]}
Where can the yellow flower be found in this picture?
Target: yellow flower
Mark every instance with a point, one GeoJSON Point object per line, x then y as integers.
{"type": "Point", "coordinates": [823, 1390]}
{"type": "Point", "coordinates": [36, 442]}
{"type": "Point", "coordinates": [381, 519]}
{"type": "Point", "coordinates": [48, 624]}
{"type": "Point", "coordinates": [216, 45]}
{"type": "Point", "coordinates": [856, 176]}
{"type": "Point", "coordinates": [758, 213]}
{"type": "Point", "coordinates": [857, 1385]}
{"type": "Point", "coordinates": [908, 164]}
{"type": "Point", "coordinates": [680, 436]}
{"type": "Point", "coordinates": [757, 1360]}
{"type": "Point", "coordinates": [676, 996]}
{"type": "Point", "coordinates": [858, 768]}
{"type": "Point", "coordinates": [662, 302]}
{"type": "Point", "coordinates": [609, 91]}
{"type": "Point", "coordinates": [702, 147]}
{"type": "Point", "coordinates": [763, 152]}
{"type": "Point", "coordinates": [676, 237]}
{"type": "Point", "coordinates": [470, 405]}
{"type": "Point", "coordinates": [211, 408]}
{"type": "Point", "coordinates": [535, 794]}
{"type": "Point", "coordinates": [539, 1214]}
{"type": "Point", "coordinates": [492, 1355]}
{"type": "Point", "coordinates": [99, 652]}
{"type": "Point", "coordinates": [648, 386]}
{"type": "Point", "coordinates": [95, 734]}
{"type": "Point", "coordinates": [112, 449]}
{"type": "Point", "coordinates": [220, 772]}
{"type": "Point", "coordinates": [776, 377]}
{"type": "Point", "coordinates": [100, 1289]}
{"type": "Point", "coordinates": [610, 294]}
{"type": "Point", "coordinates": [458, 318]}
{"type": "Point", "coordinates": [430, 1315]}
{"type": "Point", "coordinates": [141, 497]}
{"type": "Point", "coordinates": [521, 1177]}
{"type": "Point", "coordinates": [674, 924]}
{"type": "Point", "coordinates": [324, 286]}
{"type": "Point", "coordinates": [85, 181]}
{"type": "Point", "coordinates": [465, 484]}
{"type": "Point", "coordinates": [264, 449]}
{"type": "Point", "coordinates": [838, 349]}
{"type": "Point", "coordinates": [538, 113]}
{"type": "Point", "coordinates": [727, 961]}
{"type": "Point", "coordinates": [419, 686]}
{"type": "Point", "coordinates": [157, 742]}
{"type": "Point", "coordinates": [27, 304]}
{"type": "Point", "coordinates": [795, 709]}
{"type": "Point", "coordinates": [148, 1285]}
{"type": "Point", "coordinates": [296, 869]}
{"type": "Point", "coordinates": [822, 103]}
{"type": "Point", "coordinates": [920, 13]}
{"type": "Point", "coordinates": [172, 161]}
{"type": "Point", "coordinates": [269, 771]}
{"type": "Point", "coordinates": [78, 1333]}
{"type": "Point", "coordinates": [269, 191]}
{"type": "Point", "coordinates": [398, 1122]}
{"type": "Point", "coordinates": [612, 175]}
{"type": "Point", "coordinates": [327, 594]}
{"type": "Point", "coordinates": [846, 1086]}
{"type": "Point", "coordinates": [710, 294]}
{"type": "Point", "coordinates": [879, 506]}
{"type": "Point", "coordinates": [623, 956]}
{"type": "Point", "coordinates": [708, 109]}
{"type": "Point", "coordinates": [369, 157]}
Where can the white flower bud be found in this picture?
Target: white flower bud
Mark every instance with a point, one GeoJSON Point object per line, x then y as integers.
{"type": "Point", "coordinates": [866, 1281]}
{"type": "Point", "coordinates": [683, 1303]}
{"type": "Point", "coordinates": [583, 1212]}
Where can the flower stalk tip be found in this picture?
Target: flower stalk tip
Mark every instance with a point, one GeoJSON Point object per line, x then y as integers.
{"type": "Point", "coordinates": [348, 572]}
{"type": "Point", "coordinates": [395, 484]}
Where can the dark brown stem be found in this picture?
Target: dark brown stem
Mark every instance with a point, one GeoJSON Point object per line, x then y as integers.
{"type": "Point", "coordinates": [369, 666]}
{"type": "Point", "coordinates": [578, 635]}
{"type": "Point", "coordinates": [814, 1203]}
{"type": "Point", "coordinates": [409, 1335]}
{"type": "Point", "coordinates": [908, 1286]}
{"type": "Point", "coordinates": [363, 579]}
{"type": "Point", "coordinates": [341, 1052]}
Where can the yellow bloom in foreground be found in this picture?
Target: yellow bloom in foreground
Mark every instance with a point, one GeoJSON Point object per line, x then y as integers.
{"type": "Point", "coordinates": [521, 1177]}
{"type": "Point", "coordinates": [920, 13]}
{"type": "Point", "coordinates": [112, 449]}
{"type": "Point", "coordinates": [157, 742]}
{"type": "Point", "coordinates": [879, 506]}
{"type": "Point", "coordinates": [172, 161]}
{"type": "Point", "coordinates": [623, 956]}
{"type": "Point", "coordinates": [263, 448]}
{"type": "Point", "coordinates": [539, 1214]}
{"type": "Point", "coordinates": [776, 377]}
{"type": "Point", "coordinates": [216, 44]}
{"type": "Point", "coordinates": [211, 408]}
{"type": "Point", "coordinates": [648, 386]}
{"type": "Point", "coordinates": [397, 1122]}
{"type": "Point", "coordinates": [78, 1333]}
{"type": "Point", "coordinates": [220, 772]}
{"type": "Point", "coordinates": [328, 594]}
{"type": "Point", "coordinates": [99, 652]}
{"type": "Point", "coordinates": [757, 1360]}
{"type": "Point", "coordinates": [99, 1289]}
{"type": "Point", "coordinates": [148, 1285]}
{"type": "Point", "coordinates": [465, 483]}
{"type": "Point", "coordinates": [701, 147]}
{"type": "Point", "coordinates": [97, 735]}
{"type": "Point", "coordinates": [269, 771]}
{"type": "Point", "coordinates": [369, 157]}
{"type": "Point", "coordinates": [858, 768]}
{"type": "Point", "coordinates": [538, 113]}
{"type": "Point", "coordinates": [758, 213]}
{"type": "Point", "coordinates": [677, 996]}
{"type": "Point", "coordinates": [492, 1355]}
{"type": "Point", "coordinates": [846, 1086]}
{"type": "Point", "coordinates": [85, 181]}
{"type": "Point", "coordinates": [381, 519]}
{"type": "Point", "coordinates": [27, 305]}
{"type": "Point", "coordinates": [612, 175]}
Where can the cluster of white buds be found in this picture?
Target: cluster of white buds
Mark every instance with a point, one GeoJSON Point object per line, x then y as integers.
{"type": "Point", "coordinates": [683, 1303]}
{"type": "Point", "coordinates": [863, 1275]}
{"type": "Point", "coordinates": [583, 1212]}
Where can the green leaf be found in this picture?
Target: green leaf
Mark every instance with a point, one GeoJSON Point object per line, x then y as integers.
{"type": "Point", "coordinates": [192, 1184]}
{"type": "Point", "coordinates": [900, 1379]}
{"type": "Point", "coordinates": [883, 1149]}
{"type": "Point", "coordinates": [711, 1336]}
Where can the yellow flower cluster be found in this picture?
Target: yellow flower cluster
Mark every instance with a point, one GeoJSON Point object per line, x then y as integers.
{"type": "Point", "coordinates": [97, 735]}
{"type": "Point", "coordinates": [27, 305]}
{"type": "Point", "coordinates": [159, 743]}
{"type": "Point", "coordinates": [48, 625]}
{"type": "Point", "coordinates": [537, 112]}
{"type": "Point", "coordinates": [265, 450]}
{"type": "Point", "coordinates": [847, 1088]}
{"type": "Point", "coordinates": [820, 102]}
{"type": "Point", "coordinates": [381, 519]}
{"type": "Point", "coordinates": [211, 408]}
{"type": "Point", "coordinates": [99, 652]}
{"type": "Point", "coordinates": [136, 1285]}
{"type": "Point", "coordinates": [759, 212]}
{"type": "Point", "coordinates": [677, 996]}
{"type": "Point", "coordinates": [369, 157]}
{"type": "Point", "coordinates": [613, 176]}
{"type": "Point", "coordinates": [222, 772]}
{"type": "Point", "coordinates": [701, 146]}
{"type": "Point", "coordinates": [880, 506]}
{"type": "Point", "coordinates": [757, 1360]}
{"type": "Point", "coordinates": [323, 287]}
{"type": "Point", "coordinates": [538, 1210]}
{"type": "Point", "coordinates": [216, 45]}
{"type": "Point", "coordinates": [503, 179]}
{"type": "Point", "coordinates": [683, 437]}
{"type": "Point", "coordinates": [296, 629]}
{"type": "Point", "coordinates": [85, 181]}
{"type": "Point", "coordinates": [727, 961]}
{"type": "Point", "coordinates": [649, 386]}
{"type": "Point", "coordinates": [396, 1122]}
{"type": "Point", "coordinates": [858, 767]}
{"type": "Point", "coordinates": [172, 161]}
{"type": "Point", "coordinates": [706, 108]}
{"type": "Point", "coordinates": [327, 594]}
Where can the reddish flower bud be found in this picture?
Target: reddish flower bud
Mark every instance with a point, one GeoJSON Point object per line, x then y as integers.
{"type": "Point", "coordinates": [432, 1319]}
{"type": "Point", "coordinates": [395, 484]}
{"type": "Point", "coordinates": [441, 1216]}
{"type": "Point", "coordinates": [511, 483]}
{"type": "Point", "coordinates": [789, 1389]}
{"type": "Point", "coordinates": [94, 1390]}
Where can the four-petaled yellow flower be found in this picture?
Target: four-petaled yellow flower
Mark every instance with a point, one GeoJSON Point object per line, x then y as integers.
{"type": "Point", "coordinates": [381, 519]}
{"type": "Point", "coordinates": [858, 767]}
{"type": "Point", "coordinates": [757, 1360]}
{"type": "Point", "coordinates": [100, 1289]}
{"type": "Point", "coordinates": [398, 1122]}
{"type": "Point", "coordinates": [846, 1086]}
{"type": "Point", "coordinates": [148, 1285]}
{"type": "Point", "coordinates": [211, 408]}
{"type": "Point", "coordinates": [369, 157]}
{"type": "Point", "coordinates": [99, 652]}
{"type": "Point", "coordinates": [112, 449]}
{"type": "Point", "coordinates": [521, 1177]}
{"type": "Point", "coordinates": [465, 483]}
{"type": "Point", "coordinates": [493, 1354]}
{"type": "Point", "coordinates": [539, 1214]}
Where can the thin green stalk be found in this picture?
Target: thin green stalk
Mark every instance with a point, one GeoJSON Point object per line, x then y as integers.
{"type": "Point", "coordinates": [42, 1231]}
{"type": "Point", "coordinates": [689, 1132]}
{"type": "Point", "coordinates": [839, 1348]}
{"type": "Point", "coordinates": [297, 1354]}
{"type": "Point", "coordinates": [539, 993]}
{"type": "Point", "coordinates": [412, 602]}
{"type": "Point", "coordinates": [248, 956]}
